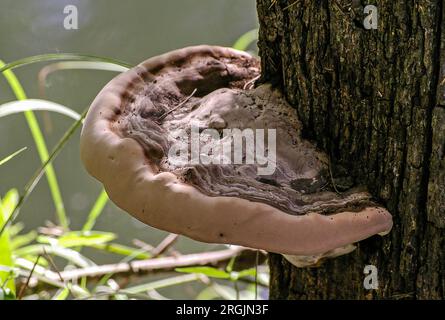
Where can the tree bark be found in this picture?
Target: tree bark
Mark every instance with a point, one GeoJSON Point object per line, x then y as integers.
{"type": "Point", "coordinates": [374, 100]}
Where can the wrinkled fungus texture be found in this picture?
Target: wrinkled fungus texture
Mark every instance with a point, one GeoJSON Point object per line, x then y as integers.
{"type": "Point", "coordinates": [300, 183]}
{"type": "Point", "coordinates": [134, 121]}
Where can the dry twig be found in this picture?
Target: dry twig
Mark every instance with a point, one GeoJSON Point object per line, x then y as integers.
{"type": "Point", "coordinates": [150, 265]}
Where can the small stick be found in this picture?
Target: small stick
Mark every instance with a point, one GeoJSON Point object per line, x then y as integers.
{"type": "Point", "coordinates": [144, 246]}
{"type": "Point", "coordinates": [178, 106]}
{"type": "Point", "coordinates": [22, 290]}
{"type": "Point", "coordinates": [292, 4]}
{"type": "Point", "coordinates": [51, 261]}
{"type": "Point", "coordinates": [251, 81]}
{"type": "Point", "coordinates": [164, 245]}
{"type": "Point", "coordinates": [271, 5]}
{"type": "Point", "coordinates": [332, 177]}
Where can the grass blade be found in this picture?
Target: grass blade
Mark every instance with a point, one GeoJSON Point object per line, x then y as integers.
{"type": "Point", "coordinates": [62, 294]}
{"type": "Point", "coordinates": [22, 240]}
{"type": "Point", "coordinates": [38, 174]}
{"type": "Point", "coordinates": [8, 204]}
{"type": "Point", "coordinates": [207, 271]}
{"type": "Point", "coordinates": [6, 281]}
{"type": "Point", "coordinates": [245, 40]}
{"type": "Point", "coordinates": [61, 56]}
{"type": "Point", "coordinates": [79, 238]}
{"type": "Point", "coordinates": [75, 65]}
{"type": "Point", "coordinates": [123, 250]}
{"type": "Point", "coordinates": [3, 161]}
{"type": "Point", "coordinates": [20, 106]}
{"type": "Point", "coordinates": [83, 65]}
{"type": "Point", "coordinates": [40, 144]}
{"type": "Point", "coordinates": [95, 212]}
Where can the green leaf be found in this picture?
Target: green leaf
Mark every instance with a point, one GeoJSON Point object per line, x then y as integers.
{"type": "Point", "coordinates": [246, 273]}
{"type": "Point", "coordinates": [6, 207]}
{"type": "Point", "coordinates": [79, 238]}
{"type": "Point", "coordinates": [245, 40]}
{"type": "Point", "coordinates": [208, 271]}
{"type": "Point", "coordinates": [8, 204]}
{"type": "Point", "coordinates": [62, 294]}
{"type": "Point", "coordinates": [120, 249]}
{"type": "Point", "coordinates": [230, 265]}
{"type": "Point", "coordinates": [6, 294]}
{"type": "Point", "coordinates": [23, 240]}
{"type": "Point", "coordinates": [36, 105]}
{"type": "Point", "coordinates": [3, 161]}
{"type": "Point", "coordinates": [15, 229]}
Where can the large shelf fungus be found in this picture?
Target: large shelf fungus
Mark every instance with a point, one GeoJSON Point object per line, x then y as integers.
{"type": "Point", "coordinates": [161, 138]}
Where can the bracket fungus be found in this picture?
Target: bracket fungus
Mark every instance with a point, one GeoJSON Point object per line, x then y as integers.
{"type": "Point", "coordinates": [143, 114]}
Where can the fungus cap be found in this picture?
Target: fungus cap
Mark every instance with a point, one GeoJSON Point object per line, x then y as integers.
{"type": "Point", "coordinates": [131, 126]}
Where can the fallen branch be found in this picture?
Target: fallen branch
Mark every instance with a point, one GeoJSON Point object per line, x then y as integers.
{"type": "Point", "coordinates": [150, 265]}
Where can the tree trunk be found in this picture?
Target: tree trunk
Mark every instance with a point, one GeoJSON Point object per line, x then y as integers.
{"type": "Point", "coordinates": [374, 100]}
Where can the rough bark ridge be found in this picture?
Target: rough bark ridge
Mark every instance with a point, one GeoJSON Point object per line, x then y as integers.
{"type": "Point", "coordinates": [374, 100]}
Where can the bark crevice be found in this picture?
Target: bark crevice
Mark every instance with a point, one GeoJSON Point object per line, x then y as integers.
{"type": "Point", "coordinates": [372, 100]}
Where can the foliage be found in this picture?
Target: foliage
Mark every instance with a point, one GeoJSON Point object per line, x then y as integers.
{"type": "Point", "coordinates": [246, 40]}
{"type": "Point", "coordinates": [29, 260]}
{"type": "Point", "coordinates": [7, 286]}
